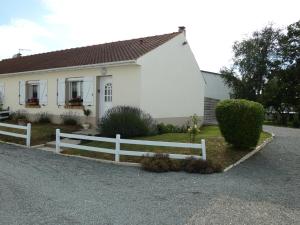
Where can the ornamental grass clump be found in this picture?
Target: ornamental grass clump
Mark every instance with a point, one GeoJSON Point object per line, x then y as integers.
{"type": "Point", "coordinates": [240, 122]}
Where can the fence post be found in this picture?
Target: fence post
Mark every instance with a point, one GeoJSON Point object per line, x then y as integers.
{"type": "Point", "coordinates": [203, 149]}
{"type": "Point", "coordinates": [57, 141]}
{"type": "Point", "coordinates": [117, 150]}
{"type": "Point", "coordinates": [28, 134]}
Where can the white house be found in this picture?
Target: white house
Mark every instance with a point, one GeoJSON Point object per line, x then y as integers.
{"type": "Point", "coordinates": [215, 91]}
{"type": "Point", "coordinates": [158, 74]}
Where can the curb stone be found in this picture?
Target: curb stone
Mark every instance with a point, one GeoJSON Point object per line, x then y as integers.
{"type": "Point", "coordinates": [253, 152]}
{"type": "Point", "coordinates": [102, 160]}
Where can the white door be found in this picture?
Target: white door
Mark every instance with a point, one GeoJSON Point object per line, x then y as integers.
{"type": "Point", "coordinates": [106, 94]}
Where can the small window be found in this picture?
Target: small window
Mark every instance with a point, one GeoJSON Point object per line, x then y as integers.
{"type": "Point", "coordinates": [74, 87]}
{"type": "Point", "coordinates": [32, 93]}
{"type": "Point", "coordinates": [108, 93]}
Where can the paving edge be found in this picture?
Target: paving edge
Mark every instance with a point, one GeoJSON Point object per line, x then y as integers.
{"type": "Point", "coordinates": [257, 149]}
{"type": "Point", "coordinates": [102, 160]}
{"type": "Point", "coordinates": [15, 144]}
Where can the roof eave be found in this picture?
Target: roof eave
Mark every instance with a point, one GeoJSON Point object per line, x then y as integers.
{"type": "Point", "coordinates": [89, 66]}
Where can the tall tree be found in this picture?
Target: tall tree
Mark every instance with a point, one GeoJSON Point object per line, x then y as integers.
{"type": "Point", "coordinates": [266, 68]}
{"type": "Point", "coordinates": [254, 61]}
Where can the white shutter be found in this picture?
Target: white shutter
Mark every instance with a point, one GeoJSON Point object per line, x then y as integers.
{"type": "Point", "coordinates": [88, 91]}
{"type": "Point", "coordinates": [22, 93]}
{"type": "Point", "coordinates": [61, 91]}
{"type": "Point", "coordinates": [2, 93]}
{"type": "Point", "coordinates": [43, 97]}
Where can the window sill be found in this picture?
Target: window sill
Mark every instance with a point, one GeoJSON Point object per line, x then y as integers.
{"type": "Point", "coordinates": [73, 106]}
{"type": "Point", "coordinates": [32, 106]}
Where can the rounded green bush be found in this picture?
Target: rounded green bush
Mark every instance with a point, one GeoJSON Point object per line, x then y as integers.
{"type": "Point", "coordinates": [240, 122]}
{"type": "Point", "coordinates": [127, 121]}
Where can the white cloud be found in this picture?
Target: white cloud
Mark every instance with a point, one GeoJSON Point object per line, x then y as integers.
{"type": "Point", "coordinates": [212, 26]}
{"type": "Point", "coordinates": [21, 34]}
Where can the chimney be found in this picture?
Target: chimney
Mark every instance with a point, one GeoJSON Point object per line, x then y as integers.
{"type": "Point", "coordinates": [181, 29]}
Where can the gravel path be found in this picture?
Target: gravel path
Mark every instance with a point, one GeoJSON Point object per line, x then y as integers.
{"type": "Point", "coordinates": [38, 187]}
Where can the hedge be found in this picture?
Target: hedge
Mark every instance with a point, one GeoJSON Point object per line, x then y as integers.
{"type": "Point", "coordinates": [240, 122]}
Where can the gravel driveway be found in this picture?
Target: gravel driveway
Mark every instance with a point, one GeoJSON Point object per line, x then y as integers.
{"type": "Point", "coordinates": [38, 187]}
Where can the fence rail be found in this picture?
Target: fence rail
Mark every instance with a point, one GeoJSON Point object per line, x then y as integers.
{"type": "Point", "coordinates": [118, 141]}
{"type": "Point", "coordinates": [5, 116]}
{"type": "Point", "coordinates": [26, 136]}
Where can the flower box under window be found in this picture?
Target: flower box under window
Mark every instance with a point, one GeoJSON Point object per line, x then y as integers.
{"type": "Point", "coordinates": [75, 102]}
{"type": "Point", "coordinates": [33, 102]}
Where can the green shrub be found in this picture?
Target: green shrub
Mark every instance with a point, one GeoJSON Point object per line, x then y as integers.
{"type": "Point", "coordinates": [128, 122]}
{"type": "Point", "coordinates": [170, 128]}
{"type": "Point", "coordinates": [240, 122]}
{"type": "Point", "coordinates": [70, 119]}
{"type": "Point", "coordinates": [44, 118]}
{"type": "Point", "coordinates": [193, 165]}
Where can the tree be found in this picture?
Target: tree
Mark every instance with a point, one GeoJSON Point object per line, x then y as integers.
{"type": "Point", "coordinates": [254, 61]}
{"type": "Point", "coordinates": [266, 68]}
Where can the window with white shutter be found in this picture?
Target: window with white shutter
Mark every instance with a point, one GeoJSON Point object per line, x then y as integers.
{"type": "Point", "coordinates": [32, 93]}
{"type": "Point", "coordinates": [43, 98]}
{"type": "Point", "coordinates": [61, 91]}
{"type": "Point", "coordinates": [88, 91]}
{"type": "Point", "coordinates": [22, 94]}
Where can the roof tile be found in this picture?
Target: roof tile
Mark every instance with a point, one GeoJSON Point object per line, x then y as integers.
{"type": "Point", "coordinates": [95, 54]}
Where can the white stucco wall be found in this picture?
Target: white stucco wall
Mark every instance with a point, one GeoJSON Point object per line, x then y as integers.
{"type": "Point", "coordinates": [215, 86]}
{"type": "Point", "coordinates": [166, 82]}
{"type": "Point", "coordinates": [126, 88]}
{"type": "Point", "coordinates": [171, 83]}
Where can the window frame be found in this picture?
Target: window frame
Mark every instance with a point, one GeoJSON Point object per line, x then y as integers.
{"type": "Point", "coordinates": [32, 88]}
{"type": "Point", "coordinates": [69, 97]}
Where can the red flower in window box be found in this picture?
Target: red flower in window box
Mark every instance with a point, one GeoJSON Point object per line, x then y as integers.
{"type": "Point", "coordinates": [75, 101]}
{"type": "Point", "coordinates": [33, 101]}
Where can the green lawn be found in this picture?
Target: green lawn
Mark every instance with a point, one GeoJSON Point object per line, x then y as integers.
{"type": "Point", "coordinates": [40, 133]}
{"type": "Point", "coordinates": [217, 149]}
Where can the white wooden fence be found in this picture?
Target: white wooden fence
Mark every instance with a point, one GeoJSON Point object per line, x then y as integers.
{"type": "Point", "coordinates": [26, 136]}
{"type": "Point", "coordinates": [118, 141]}
{"type": "Point", "coordinates": [5, 116]}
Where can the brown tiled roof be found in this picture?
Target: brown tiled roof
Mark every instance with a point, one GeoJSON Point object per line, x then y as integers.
{"type": "Point", "coordinates": [102, 53]}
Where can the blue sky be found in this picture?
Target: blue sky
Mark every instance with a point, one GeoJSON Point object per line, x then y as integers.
{"type": "Point", "coordinates": [212, 26]}
{"type": "Point", "coordinates": [26, 9]}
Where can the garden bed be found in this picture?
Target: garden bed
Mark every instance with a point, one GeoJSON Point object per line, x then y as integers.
{"type": "Point", "coordinates": [218, 151]}
{"type": "Point", "coordinates": [40, 133]}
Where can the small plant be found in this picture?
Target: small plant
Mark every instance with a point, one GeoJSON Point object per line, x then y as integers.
{"type": "Point", "coordinates": [193, 165]}
{"type": "Point", "coordinates": [193, 127]}
{"type": "Point", "coordinates": [128, 122]}
{"type": "Point", "coordinates": [70, 118]}
{"type": "Point", "coordinates": [44, 118]}
{"type": "Point", "coordinates": [159, 163]}
{"type": "Point", "coordinates": [170, 128]}
{"type": "Point", "coordinates": [162, 163]}
{"type": "Point", "coordinates": [87, 113]}
{"type": "Point", "coordinates": [175, 165]}
{"type": "Point", "coordinates": [19, 115]}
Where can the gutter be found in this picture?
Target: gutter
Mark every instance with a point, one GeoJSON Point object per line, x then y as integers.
{"type": "Point", "coordinates": [89, 66]}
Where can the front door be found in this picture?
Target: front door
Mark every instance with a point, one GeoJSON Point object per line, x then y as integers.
{"type": "Point", "coordinates": [105, 94]}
